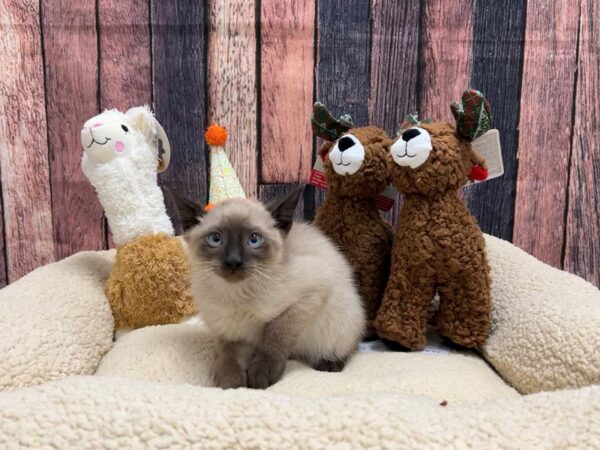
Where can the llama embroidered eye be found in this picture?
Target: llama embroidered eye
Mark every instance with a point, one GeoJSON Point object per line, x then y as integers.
{"type": "Point", "coordinates": [412, 148]}
{"type": "Point", "coordinates": [347, 155]}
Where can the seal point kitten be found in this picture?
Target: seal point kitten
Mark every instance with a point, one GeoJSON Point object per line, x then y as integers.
{"type": "Point", "coordinates": [270, 289]}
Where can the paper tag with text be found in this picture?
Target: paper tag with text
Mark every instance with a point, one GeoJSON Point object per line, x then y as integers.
{"type": "Point", "coordinates": [384, 201]}
{"type": "Point", "coordinates": [488, 146]}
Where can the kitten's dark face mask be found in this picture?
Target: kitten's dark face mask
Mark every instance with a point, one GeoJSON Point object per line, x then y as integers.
{"type": "Point", "coordinates": [237, 239]}
{"type": "Point", "coordinates": [236, 249]}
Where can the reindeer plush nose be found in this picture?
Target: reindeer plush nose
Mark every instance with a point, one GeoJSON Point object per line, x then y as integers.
{"type": "Point", "coordinates": [409, 134]}
{"type": "Point", "coordinates": [345, 143]}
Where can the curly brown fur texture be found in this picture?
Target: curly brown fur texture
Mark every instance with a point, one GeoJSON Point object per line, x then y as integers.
{"type": "Point", "coordinates": [349, 217]}
{"type": "Point", "coordinates": [438, 246]}
{"type": "Point", "coordinates": [149, 282]}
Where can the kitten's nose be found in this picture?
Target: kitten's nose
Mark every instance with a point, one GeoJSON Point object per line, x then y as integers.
{"type": "Point", "coordinates": [234, 263]}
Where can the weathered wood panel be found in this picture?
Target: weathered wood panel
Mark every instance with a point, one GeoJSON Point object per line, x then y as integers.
{"type": "Point", "coordinates": [23, 143]}
{"type": "Point", "coordinates": [343, 61]}
{"type": "Point", "coordinates": [498, 39]}
{"type": "Point", "coordinates": [287, 60]}
{"type": "Point", "coordinates": [179, 86]}
{"type": "Point", "coordinates": [232, 83]}
{"type": "Point", "coordinates": [447, 38]}
{"type": "Point", "coordinates": [394, 62]}
{"type": "Point", "coordinates": [582, 245]}
{"type": "Point", "coordinates": [3, 266]}
{"type": "Point", "coordinates": [394, 67]}
{"type": "Point", "coordinates": [70, 44]}
{"type": "Point", "coordinates": [125, 66]}
{"type": "Point", "coordinates": [125, 60]}
{"type": "Point", "coordinates": [268, 192]}
{"type": "Point", "coordinates": [545, 128]}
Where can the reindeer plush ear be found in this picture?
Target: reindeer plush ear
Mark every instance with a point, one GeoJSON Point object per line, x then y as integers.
{"type": "Point", "coordinates": [325, 126]}
{"type": "Point", "coordinates": [473, 115]}
{"type": "Point", "coordinates": [143, 120]}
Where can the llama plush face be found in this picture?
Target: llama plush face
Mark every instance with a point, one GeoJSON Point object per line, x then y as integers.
{"type": "Point", "coordinates": [113, 134]}
{"type": "Point", "coordinates": [108, 136]}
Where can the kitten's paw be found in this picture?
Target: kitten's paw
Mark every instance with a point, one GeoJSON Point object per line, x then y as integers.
{"type": "Point", "coordinates": [264, 370]}
{"type": "Point", "coordinates": [230, 377]}
{"type": "Point", "coordinates": [326, 365]}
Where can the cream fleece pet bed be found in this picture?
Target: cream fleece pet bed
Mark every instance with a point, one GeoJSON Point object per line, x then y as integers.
{"type": "Point", "coordinates": [150, 389]}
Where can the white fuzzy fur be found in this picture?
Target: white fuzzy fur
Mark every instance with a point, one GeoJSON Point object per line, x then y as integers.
{"type": "Point", "coordinates": [127, 185]}
{"type": "Point", "coordinates": [312, 275]}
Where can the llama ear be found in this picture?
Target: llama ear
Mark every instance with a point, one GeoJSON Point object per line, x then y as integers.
{"type": "Point", "coordinates": [283, 209]}
{"type": "Point", "coordinates": [143, 120]}
{"type": "Point", "coordinates": [188, 210]}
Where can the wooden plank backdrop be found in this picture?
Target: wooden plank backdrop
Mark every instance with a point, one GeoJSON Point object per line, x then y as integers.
{"type": "Point", "coordinates": [257, 67]}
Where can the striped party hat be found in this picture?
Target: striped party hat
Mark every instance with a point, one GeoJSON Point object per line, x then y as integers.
{"type": "Point", "coordinates": [224, 182]}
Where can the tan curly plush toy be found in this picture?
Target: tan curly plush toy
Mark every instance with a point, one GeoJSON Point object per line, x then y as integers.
{"type": "Point", "coordinates": [122, 155]}
{"type": "Point", "coordinates": [356, 172]}
{"type": "Point", "coordinates": [438, 246]}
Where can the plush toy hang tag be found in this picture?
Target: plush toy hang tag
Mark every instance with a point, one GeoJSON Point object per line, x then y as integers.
{"type": "Point", "coordinates": [384, 201]}
{"type": "Point", "coordinates": [164, 149]}
{"type": "Point", "coordinates": [488, 146]}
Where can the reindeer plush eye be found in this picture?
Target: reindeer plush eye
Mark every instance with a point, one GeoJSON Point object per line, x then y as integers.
{"type": "Point", "coordinates": [125, 129]}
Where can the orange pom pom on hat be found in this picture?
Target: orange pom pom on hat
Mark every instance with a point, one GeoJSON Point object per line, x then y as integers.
{"type": "Point", "coordinates": [224, 182]}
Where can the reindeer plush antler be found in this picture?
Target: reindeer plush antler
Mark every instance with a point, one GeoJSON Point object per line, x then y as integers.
{"type": "Point", "coordinates": [325, 126]}
{"type": "Point", "coordinates": [473, 115]}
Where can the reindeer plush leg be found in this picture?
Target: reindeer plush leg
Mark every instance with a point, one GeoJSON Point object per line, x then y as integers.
{"type": "Point", "coordinates": [402, 316]}
{"type": "Point", "coordinates": [465, 306]}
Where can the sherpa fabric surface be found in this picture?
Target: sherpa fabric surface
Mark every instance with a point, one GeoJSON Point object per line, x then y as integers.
{"type": "Point", "coordinates": [99, 412]}
{"type": "Point", "coordinates": [56, 322]}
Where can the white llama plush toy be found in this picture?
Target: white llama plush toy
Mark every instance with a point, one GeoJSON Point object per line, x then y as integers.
{"type": "Point", "coordinates": [122, 156]}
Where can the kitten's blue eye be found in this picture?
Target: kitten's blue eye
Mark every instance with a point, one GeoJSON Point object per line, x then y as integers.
{"type": "Point", "coordinates": [255, 240]}
{"type": "Point", "coordinates": [214, 239]}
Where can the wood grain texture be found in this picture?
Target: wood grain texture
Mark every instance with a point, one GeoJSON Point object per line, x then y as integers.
{"type": "Point", "coordinates": [394, 67]}
{"type": "Point", "coordinates": [447, 38]}
{"type": "Point", "coordinates": [125, 58]}
{"type": "Point", "coordinates": [343, 71]}
{"type": "Point", "coordinates": [545, 128]}
{"type": "Point", "coordinates": [232, 83]}
{"type": "Point", "coordinates": [125, 66]}
{"type": "Point", "coordinates": [3, 267]}
{"type": "Point", "coordinates": [23, 142]}
{"type": "Point", "coordinates": [179, 86]}
{"type": "Point", "coordinates": [70, 44]}
{"type": "Point", "coordinates": [582, 244]}
{"type": "Point", "coordinates": [498, 39]}
{"type": "Point", "coordinates": [287, 59]}
{"type": "Point", "coordinates": [268, 192]}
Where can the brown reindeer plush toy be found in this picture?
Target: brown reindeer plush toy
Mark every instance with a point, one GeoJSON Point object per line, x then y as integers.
{"type": "Point", "coordinates": [438, 246]}
{"type": "Point", "coordinates": [356, 172]}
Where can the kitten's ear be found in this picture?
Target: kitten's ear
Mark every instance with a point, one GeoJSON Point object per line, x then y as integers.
{"type": "Point", "coordinates": [283, 209]}
{"type": "Point", "coordinates": [188, 210]}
